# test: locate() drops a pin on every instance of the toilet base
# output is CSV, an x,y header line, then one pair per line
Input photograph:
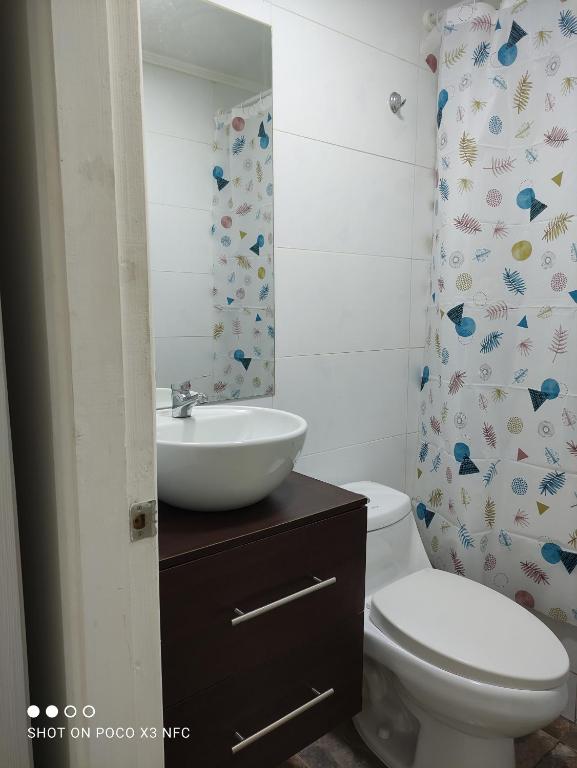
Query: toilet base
x,y
402,734
439,746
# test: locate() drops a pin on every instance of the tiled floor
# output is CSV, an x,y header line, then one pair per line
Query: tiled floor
x,y
554,747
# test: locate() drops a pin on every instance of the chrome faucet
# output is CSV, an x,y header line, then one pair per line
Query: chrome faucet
x,y
184,399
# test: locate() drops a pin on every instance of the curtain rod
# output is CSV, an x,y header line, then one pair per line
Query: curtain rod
x,y
254,99
431,18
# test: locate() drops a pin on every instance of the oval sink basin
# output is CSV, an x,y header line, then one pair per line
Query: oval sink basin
x,y
225,457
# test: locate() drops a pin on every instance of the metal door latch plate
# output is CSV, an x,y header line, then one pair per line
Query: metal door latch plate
x,y
143,520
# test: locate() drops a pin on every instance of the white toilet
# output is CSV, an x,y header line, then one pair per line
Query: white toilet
x,y
453,671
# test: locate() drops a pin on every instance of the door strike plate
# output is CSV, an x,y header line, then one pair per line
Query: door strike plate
x,y
143,520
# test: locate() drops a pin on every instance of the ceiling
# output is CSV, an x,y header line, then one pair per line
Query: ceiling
x,y
200,34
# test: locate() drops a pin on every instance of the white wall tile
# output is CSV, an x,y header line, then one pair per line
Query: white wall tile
x,y
178,171
420,296
382,461
424,202
426,119
345,398
332,199
390,25
345,101
177,104
181,358
181,303
334,302
179,239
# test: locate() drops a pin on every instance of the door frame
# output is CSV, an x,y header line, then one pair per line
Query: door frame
x,y
81,376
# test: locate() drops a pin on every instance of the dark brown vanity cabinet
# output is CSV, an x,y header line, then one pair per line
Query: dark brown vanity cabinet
x,y
262,624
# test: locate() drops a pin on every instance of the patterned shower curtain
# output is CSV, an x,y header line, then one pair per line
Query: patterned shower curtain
x,y
242,234
496,487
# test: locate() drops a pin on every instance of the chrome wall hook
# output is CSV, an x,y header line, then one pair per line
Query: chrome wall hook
x,y
396,102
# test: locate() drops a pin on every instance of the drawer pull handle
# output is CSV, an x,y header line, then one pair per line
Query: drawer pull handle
x,y
243,743
240,616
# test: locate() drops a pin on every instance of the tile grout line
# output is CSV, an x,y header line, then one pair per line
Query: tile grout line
x,y
176,136
178,205
349,37
352,149
345,253
354,445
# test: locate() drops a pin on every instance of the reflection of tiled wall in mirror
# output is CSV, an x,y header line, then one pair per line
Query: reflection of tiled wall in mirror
x,y
179,113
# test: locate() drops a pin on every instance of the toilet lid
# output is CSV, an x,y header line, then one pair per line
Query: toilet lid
x,y
470,630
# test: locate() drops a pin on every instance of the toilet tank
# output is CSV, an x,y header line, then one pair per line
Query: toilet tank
x,y
394,547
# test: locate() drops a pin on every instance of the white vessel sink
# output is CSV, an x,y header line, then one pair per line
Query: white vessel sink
x,y
225,457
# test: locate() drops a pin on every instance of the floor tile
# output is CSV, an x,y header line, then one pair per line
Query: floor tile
x,y
565,731
530,749
553,747
561,756
348,755
317,756
294,762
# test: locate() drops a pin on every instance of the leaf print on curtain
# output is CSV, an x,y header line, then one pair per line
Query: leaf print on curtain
x,y
496,488
242,235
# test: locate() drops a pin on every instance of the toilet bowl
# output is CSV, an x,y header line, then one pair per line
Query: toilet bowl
x,y
453,671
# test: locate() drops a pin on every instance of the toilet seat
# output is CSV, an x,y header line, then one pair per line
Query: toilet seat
x,y
469,630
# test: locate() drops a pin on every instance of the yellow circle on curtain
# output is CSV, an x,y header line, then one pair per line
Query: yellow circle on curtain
x,y
464,281
515,425
558,614
522,250
261,272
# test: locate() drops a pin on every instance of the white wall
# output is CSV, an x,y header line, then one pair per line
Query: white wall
x,y
178,134
353,221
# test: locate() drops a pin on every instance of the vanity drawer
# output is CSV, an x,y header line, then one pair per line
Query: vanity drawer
x,y
277,709
226,613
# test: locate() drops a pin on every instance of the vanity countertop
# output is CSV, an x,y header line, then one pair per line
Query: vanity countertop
x,y
185,536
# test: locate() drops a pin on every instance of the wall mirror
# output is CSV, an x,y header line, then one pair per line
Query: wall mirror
x,y
207,111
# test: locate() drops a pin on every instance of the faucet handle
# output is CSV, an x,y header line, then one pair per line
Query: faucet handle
x,y
181,389
184,398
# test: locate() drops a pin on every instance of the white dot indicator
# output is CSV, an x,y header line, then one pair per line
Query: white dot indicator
x,y
51,710
88,711
33,710
70,710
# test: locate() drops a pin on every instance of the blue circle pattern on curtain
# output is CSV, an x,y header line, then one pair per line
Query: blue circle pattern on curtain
x,y
496,472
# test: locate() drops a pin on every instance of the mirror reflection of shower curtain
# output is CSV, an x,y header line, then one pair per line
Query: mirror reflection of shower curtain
x,y
496,488
242,236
